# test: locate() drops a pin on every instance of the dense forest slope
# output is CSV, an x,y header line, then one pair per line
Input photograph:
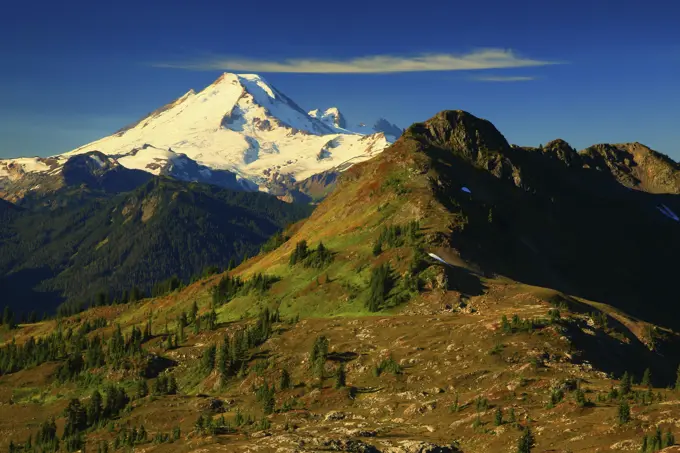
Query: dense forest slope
x,y
87,243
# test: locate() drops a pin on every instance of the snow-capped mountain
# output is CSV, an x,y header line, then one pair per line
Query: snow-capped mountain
x,y
238,128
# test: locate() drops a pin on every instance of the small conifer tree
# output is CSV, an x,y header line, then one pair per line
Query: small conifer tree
x,y
526,441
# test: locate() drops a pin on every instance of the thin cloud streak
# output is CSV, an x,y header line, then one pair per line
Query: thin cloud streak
x,y
375,64
504,78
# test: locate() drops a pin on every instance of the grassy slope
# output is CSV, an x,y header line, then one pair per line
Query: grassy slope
x,y
440,350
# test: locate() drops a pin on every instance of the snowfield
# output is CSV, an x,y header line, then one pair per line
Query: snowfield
x,y
242,124
13,168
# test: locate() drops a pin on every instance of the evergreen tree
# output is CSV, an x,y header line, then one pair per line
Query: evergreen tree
x,y
647,378
212,319
208,359
142,388
340,377
498,417
181,324
95,409
200,423
160,387
299,254
285,381
224,359
47,439
625,385
580,398
115,400
148,328
658,438
526,441
172,385
269,402
669,440
319,350
624,412
193,314
76,418
379,287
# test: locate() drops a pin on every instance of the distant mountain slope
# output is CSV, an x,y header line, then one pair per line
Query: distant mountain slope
x,y
93,171
163,228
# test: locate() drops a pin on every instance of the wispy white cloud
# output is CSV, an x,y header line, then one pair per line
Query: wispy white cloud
x,y
374,64
504,78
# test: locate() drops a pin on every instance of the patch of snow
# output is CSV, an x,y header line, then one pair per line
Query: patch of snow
x,y
465,189
97,160
27,165
665,210
438,258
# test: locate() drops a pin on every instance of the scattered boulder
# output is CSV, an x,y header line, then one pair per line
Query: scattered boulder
x,y
415,446
416,408
335,415
351,445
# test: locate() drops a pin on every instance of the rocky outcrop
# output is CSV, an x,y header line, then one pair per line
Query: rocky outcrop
x,y
635,166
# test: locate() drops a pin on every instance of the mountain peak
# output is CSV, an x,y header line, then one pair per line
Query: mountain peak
x,y
460,130
330,116
561,150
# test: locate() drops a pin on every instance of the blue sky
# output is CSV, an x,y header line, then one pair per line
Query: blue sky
x,y
75,71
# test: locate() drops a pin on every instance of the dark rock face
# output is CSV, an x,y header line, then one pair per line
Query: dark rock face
x,y
560,150
462,132
97,171
472,139
601,224
635,166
